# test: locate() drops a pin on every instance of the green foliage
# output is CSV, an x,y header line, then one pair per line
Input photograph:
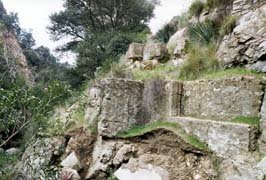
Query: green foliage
x,y
99,34
228,25
165,33
24,108
175,127
200,60
247,120
11,22
7,163
196,8
212,4
167,72
183,20
204,32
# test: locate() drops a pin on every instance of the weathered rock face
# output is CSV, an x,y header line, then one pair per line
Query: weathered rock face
x,y
223,99
177,43
225,139
37,158
156,51
246,46
121,105
146,56
241,7
135,51
262,140
13,59
126,103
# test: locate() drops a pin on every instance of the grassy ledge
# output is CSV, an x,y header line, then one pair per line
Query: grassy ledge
x,y
141,130
171,73
255,121
231,73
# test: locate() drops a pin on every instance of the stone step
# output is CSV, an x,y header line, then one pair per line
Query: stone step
x,y
224,138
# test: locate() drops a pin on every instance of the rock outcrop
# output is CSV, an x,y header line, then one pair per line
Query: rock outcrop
x,y
241,7
146,56
37,158
12,58
246,46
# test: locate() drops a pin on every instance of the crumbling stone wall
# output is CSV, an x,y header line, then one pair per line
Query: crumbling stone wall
x,y
241,7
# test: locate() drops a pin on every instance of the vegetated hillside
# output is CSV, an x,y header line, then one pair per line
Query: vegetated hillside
x,y
13,62
187,103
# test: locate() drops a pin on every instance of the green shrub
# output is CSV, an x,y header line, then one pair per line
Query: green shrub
x,y
183,20
212,4
204,32
196,8
200,60
24,109
228,25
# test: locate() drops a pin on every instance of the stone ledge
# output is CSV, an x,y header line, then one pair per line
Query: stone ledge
x,y
224,138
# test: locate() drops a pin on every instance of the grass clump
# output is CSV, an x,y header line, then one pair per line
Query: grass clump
x,y
203,33
212,4
227,73
196,8
200,60
175,127
228,25
247,120
165,71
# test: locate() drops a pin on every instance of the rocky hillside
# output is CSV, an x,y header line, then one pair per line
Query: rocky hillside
x,y
190,109
12,59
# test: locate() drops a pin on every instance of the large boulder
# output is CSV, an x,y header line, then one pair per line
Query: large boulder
x,y
246,46
156,51
72,162
135,51
177,43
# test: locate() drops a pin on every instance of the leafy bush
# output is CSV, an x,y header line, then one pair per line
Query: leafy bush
x,y
204,32
24,108
196,8
228,25
200,60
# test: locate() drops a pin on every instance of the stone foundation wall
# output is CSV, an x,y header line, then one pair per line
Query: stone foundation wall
x,y
223,99
121,104
241,7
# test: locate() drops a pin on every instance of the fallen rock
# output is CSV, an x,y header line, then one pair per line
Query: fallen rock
x,y
69,174
13,151
72,162
39,156
123,154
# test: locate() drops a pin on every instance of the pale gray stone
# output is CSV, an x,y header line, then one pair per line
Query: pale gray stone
x,y
223,99
71,161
